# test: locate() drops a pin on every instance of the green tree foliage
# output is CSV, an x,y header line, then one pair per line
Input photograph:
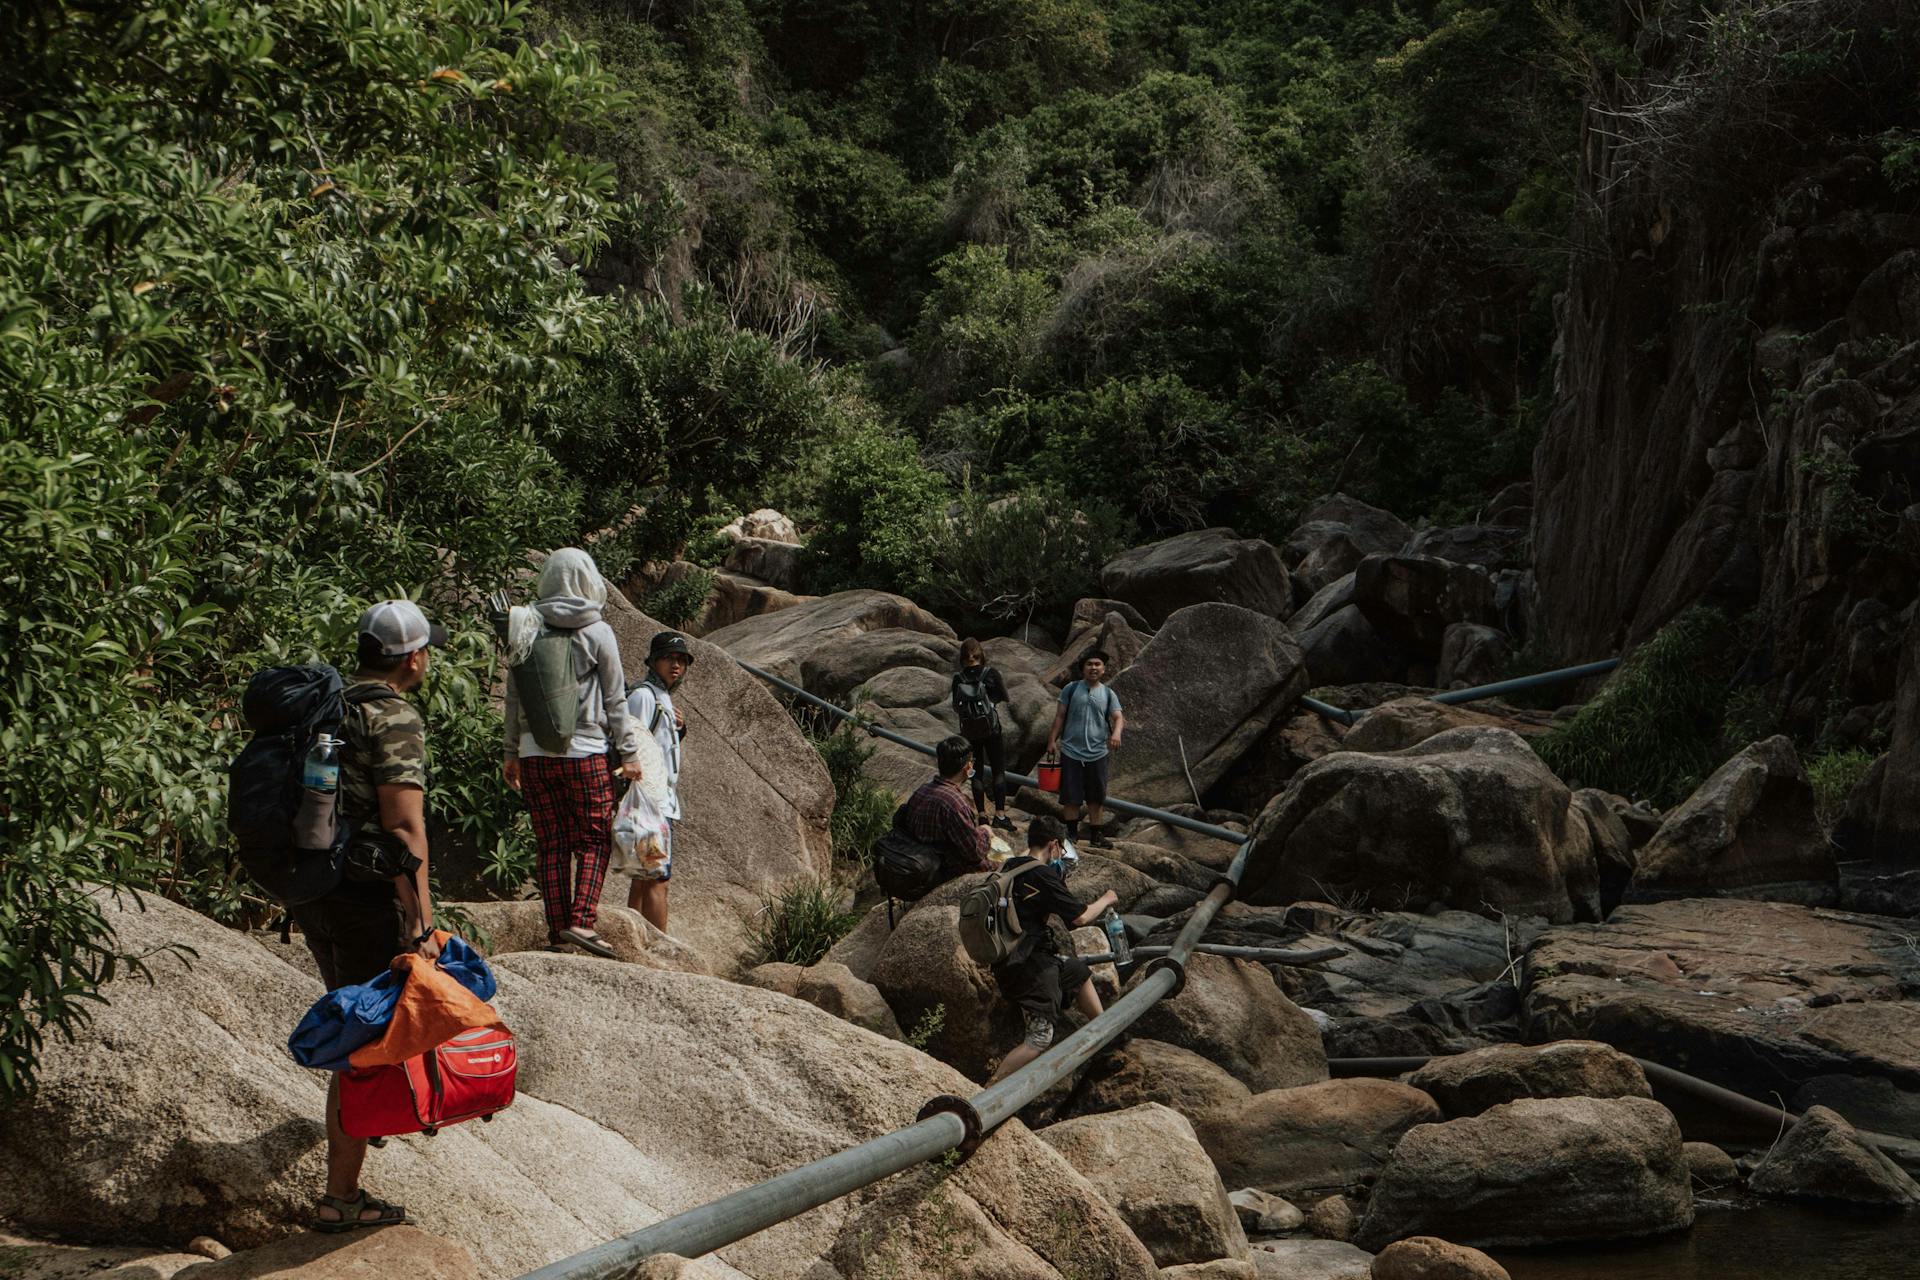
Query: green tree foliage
x,y
877,507
273,281
1026,557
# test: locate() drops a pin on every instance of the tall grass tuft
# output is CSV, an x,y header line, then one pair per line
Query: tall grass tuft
x,y
862,811
1834,775
799,924
1654,732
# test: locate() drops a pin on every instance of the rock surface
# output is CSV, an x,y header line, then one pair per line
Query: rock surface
x,y
832,987
1472,654
1710,1167
363,1255
757,798
1407,722
1537,1171
522,926
1427,1258
1749,831
780,643
1262,1213
1232,1014
1345,647
1145,1070
125,1146
1823,1158
1470,818
1193,568
1310,1260
1472,1082
1206,688
1765,998
1412,599
1317,1137
924,972
1147,1164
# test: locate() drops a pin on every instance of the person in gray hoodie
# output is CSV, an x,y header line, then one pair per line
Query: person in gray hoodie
x,y
567,734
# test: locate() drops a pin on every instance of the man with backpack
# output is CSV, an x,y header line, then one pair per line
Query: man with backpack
x,y
381,907
940,815
650,706
1004,924
1086,726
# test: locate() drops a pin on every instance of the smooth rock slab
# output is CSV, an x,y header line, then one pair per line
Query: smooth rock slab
x,y
356,1255
1469,1083
1538,1171
1232,1014
1310,1260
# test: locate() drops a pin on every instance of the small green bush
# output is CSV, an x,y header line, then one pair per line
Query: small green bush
x,y
875,511
862,811
799,924
680,602
1028,557
1655,731
1834,775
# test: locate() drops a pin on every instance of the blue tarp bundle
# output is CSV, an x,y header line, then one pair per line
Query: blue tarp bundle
x,y
341,1021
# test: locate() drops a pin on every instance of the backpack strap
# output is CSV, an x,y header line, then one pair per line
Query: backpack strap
x,y
1007,878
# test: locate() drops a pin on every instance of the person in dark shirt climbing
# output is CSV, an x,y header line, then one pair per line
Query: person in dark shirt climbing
x,y
977,687
1037,978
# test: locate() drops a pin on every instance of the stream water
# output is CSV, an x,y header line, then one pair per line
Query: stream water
x,y
1745,1240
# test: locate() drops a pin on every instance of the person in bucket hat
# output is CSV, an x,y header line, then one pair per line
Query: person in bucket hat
x,y
651,707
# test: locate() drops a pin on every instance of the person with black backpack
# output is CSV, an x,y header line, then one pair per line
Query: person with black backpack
x,y
976,688
1012,935
937,813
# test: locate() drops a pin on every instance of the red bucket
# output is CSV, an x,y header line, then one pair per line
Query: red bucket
x,y
1049,775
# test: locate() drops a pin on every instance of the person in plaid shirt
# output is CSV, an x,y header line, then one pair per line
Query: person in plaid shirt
x,y
940,813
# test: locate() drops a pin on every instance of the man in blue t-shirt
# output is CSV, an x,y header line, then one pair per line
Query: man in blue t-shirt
x,y
1086,726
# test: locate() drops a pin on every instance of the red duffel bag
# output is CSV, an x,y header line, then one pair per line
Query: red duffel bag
x,y
470,1075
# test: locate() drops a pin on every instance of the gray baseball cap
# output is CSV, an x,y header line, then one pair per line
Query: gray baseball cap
x,y
400,628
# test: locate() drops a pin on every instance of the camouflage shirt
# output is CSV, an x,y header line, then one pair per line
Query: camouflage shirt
x,y
386,746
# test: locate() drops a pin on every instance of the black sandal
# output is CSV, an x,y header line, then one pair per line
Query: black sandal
x,y
350,1211
588,940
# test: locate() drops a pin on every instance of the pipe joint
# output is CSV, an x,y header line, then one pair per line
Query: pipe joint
x,y
1179,969
951,1104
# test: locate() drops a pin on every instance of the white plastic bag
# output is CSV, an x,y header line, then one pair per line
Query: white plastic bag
x,y
639,835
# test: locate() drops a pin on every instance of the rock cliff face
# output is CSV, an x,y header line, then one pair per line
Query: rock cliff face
x,y
1737,420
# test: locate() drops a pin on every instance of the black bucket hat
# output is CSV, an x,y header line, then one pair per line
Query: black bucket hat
x,y
667,642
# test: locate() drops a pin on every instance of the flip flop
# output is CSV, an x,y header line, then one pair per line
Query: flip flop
x,y
588,940
350,1210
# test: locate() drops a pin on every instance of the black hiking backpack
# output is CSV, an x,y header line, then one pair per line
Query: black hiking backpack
x,y
287,708
903,867
972,703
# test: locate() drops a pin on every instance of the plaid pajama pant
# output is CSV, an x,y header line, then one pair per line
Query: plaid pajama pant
x,y
571,802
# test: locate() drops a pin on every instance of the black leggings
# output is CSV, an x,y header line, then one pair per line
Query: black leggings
x,y
990,750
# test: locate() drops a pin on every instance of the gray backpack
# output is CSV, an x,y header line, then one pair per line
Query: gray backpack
x,y
548,690
989,926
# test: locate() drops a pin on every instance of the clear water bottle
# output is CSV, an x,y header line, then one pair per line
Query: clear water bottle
x,y
1117,936
313,821
1069,859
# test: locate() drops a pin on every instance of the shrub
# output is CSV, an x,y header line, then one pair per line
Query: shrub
x,y
1654,732
862,811
681,601
1834,775
875,514
1026,557
799,924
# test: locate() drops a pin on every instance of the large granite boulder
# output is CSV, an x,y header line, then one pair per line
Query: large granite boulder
x,y
308,1255
1345,647
1322,604
1146,1163
1822,1158
1412,600
1470,818
1143,1070
757,799
1110,634
833,671
929,980
126,1146
1765,998
830,986
1471,655
1291,743
1305,1259
1313,1139
1092,611
1429,1258
776,563
1469,1083
1748,832
1192,568
1490,546
736,597
1335,534
1537,1171
1204,690
780,643
1406,722
1231,1013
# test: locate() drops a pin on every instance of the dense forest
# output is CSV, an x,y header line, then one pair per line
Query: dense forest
x,y
316,301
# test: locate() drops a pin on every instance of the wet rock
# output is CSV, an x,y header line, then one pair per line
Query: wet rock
x,y
1748,832
1763,998
1231,1013
1469,1083
1204,690
1310,1260
1412,600
1710,1167
832,987
1470,818
1153,1071
1823,1158
1147,1164
1263,1214
1193,568
1537,1171
1316,1137
1427,1258
1165,900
